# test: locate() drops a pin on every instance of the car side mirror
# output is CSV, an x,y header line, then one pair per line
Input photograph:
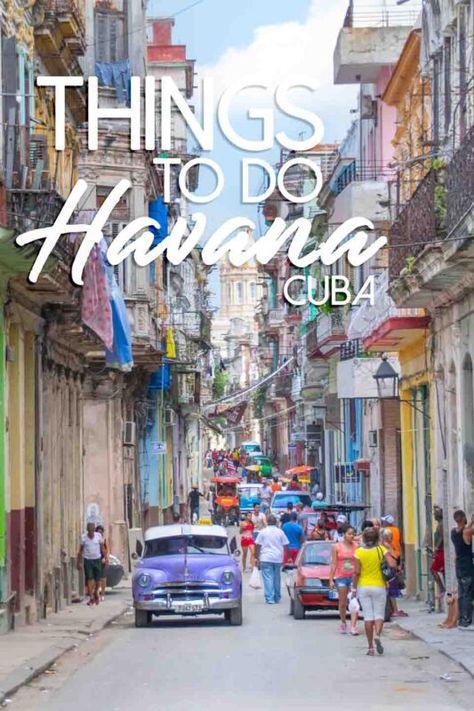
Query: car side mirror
x,y
134,556
236,553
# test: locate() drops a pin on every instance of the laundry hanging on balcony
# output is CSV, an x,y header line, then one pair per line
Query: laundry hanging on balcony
x,y
119,356
170,344
159,212
96,310
117,75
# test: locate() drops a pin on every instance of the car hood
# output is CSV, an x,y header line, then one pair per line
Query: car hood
x,y
177,568
315,571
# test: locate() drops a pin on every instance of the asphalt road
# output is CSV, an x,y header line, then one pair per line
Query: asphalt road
x,y
272,662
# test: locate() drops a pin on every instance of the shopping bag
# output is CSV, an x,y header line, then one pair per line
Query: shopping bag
x,y
354,605
255,579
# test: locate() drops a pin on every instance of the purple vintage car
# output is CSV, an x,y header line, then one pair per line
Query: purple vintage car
x,y
187,570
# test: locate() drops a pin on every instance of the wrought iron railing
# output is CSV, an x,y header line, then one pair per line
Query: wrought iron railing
x,y
459,182
351,349
418,225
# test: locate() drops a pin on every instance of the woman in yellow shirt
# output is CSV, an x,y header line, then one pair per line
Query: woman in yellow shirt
x,y
370,586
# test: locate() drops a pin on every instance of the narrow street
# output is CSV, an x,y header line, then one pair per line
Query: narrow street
x,y
271,662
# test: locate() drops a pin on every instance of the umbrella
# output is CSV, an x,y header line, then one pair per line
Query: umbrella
x,y
303,469
253,468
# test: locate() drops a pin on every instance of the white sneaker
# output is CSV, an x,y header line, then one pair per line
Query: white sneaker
x,y
469,628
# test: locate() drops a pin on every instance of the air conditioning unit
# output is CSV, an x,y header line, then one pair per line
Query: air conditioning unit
x,y
169,416
372,438
129,434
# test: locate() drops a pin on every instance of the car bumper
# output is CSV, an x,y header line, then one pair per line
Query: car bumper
x,y
172,607
309,597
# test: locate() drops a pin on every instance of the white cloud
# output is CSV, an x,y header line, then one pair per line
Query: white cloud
x,y
280,52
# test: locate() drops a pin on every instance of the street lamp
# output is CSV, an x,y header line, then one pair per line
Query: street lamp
x,y
387,380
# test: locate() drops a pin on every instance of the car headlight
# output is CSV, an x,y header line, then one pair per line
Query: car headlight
x,y
144,580
313,583
227,577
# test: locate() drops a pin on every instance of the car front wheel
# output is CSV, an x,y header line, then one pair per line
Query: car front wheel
x,y
298,609
142,618
234,616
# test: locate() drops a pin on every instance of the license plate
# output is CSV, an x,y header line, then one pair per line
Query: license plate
x,y
188,606
333,595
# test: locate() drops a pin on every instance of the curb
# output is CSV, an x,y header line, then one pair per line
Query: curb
x,y
437,649
35,666
32,668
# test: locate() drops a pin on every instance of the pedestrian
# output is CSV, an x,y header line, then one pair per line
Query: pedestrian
x,y
258,519
103,579
461,536
209,459
266,494
271,547
295,534
393,590
276,486
337,533
369,585
247,541
286,515
193,502
294,484
211,496
235,456
320,532
388,522
91,557
437,566
302,517
342,572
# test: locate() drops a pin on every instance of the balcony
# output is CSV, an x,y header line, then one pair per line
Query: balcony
x,y
361,189
60,39
274,320
355,377
370,40
315,379
331,332
384,326
283,385
431,247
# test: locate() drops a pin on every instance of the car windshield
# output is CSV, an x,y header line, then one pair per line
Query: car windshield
x,y
281,502
247,491
192,545
317,554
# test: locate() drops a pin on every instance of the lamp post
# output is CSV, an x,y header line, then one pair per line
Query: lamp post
x,y
387,380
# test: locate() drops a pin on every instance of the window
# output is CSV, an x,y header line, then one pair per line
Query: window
x,y
110,31
447,84
436,92
229,293
239,292
252,291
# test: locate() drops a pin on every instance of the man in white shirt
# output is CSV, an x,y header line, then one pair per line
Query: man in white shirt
x,y
91,555
271,546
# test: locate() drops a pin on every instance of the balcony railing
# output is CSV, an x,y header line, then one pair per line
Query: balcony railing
x,y
283,384
331,324
365,15
356,172
459,182
418,225
351,349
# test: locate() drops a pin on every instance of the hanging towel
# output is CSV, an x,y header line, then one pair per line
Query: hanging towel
x,y
170,344
116,74
96,312
119,355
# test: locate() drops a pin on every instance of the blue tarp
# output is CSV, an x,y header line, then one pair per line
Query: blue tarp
x,y
161,379
158,210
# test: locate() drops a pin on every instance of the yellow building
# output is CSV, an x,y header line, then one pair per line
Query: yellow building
x,y
409,93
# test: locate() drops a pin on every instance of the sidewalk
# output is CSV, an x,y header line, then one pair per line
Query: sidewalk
x,y
458,646
30,650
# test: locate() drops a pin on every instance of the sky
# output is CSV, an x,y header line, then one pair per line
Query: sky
x,y
265,41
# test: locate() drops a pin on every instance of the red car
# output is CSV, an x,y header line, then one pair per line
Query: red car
x,y
308,580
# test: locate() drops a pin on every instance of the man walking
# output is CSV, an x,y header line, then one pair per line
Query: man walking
x,y
193,502
295,534
91,556
271,546
461,537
